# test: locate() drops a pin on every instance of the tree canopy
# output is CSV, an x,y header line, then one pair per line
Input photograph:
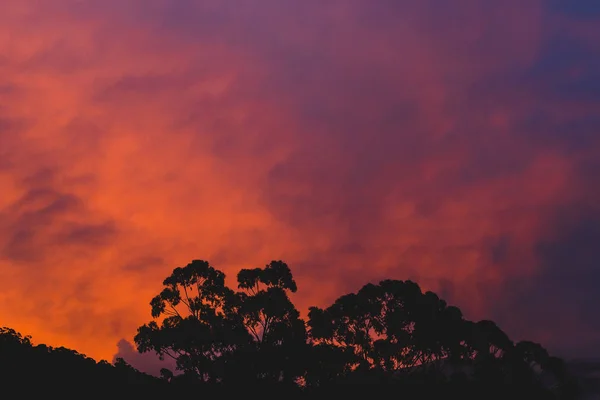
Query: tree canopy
x,y
388,333
31,367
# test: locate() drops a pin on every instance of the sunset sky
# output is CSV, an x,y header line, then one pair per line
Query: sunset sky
x,y
455,143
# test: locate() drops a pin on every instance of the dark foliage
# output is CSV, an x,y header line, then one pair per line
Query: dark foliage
x,y
45,370
387,337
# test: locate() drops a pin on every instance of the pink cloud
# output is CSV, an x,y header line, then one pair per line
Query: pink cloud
x,y
356,141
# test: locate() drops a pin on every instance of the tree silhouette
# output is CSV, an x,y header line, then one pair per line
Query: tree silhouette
x,y
393,330
28,366
389,333
389,326
278,333
217,335
198,329
268,312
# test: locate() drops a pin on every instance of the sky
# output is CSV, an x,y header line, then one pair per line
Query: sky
x,y
453,143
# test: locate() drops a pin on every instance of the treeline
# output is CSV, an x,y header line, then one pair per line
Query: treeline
x,y
388,334
39,367
387,338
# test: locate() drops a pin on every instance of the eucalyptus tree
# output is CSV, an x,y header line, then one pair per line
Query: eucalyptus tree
x,y
194,322
272,320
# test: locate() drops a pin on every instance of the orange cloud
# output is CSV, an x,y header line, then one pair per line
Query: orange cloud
x,y
354,140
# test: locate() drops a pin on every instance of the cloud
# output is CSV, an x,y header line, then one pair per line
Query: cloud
x,y
148,363
558,304
356,140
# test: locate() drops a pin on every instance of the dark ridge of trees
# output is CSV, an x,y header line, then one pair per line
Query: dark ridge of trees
x,y
38,368
388,338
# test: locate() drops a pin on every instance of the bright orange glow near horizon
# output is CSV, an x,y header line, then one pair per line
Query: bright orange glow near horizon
x,y
456,145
